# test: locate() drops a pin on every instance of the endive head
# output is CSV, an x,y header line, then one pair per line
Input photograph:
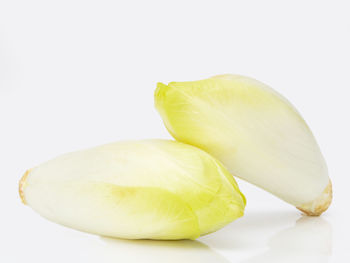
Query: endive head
x,y
153,189
254,131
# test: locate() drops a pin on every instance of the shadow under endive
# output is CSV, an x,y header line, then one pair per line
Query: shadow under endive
x,y
160,251
309,240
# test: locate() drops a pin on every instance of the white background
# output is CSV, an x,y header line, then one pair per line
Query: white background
x,y
74,74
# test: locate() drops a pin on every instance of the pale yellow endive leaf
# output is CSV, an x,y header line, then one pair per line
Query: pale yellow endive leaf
x,y
254,131
154,189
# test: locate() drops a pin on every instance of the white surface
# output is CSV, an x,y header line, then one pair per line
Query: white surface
x,y
75,74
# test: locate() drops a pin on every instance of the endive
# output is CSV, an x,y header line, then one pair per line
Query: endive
x,y
254,131
154,189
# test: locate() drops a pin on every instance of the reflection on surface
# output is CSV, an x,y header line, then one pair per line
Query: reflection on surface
x,y
250,232
118,250
259,234
308,241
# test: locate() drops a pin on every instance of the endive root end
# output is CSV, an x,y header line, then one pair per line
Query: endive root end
x,y
22,184
320,204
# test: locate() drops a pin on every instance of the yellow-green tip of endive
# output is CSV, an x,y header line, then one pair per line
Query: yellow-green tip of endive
x,y
150,189
254,131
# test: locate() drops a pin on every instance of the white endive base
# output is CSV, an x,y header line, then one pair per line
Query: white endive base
x,y
320,204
